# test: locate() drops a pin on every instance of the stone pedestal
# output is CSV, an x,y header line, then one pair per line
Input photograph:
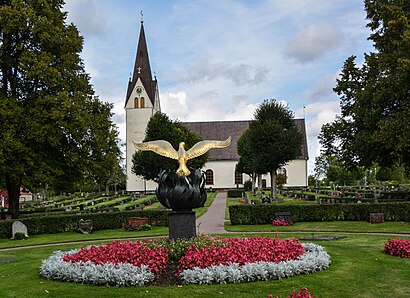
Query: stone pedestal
x,y
182,224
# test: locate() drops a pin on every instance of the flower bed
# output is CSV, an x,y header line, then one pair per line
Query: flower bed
x,y
280,222
228,260
398,247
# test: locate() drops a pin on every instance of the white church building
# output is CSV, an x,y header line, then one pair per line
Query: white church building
x,y
142,101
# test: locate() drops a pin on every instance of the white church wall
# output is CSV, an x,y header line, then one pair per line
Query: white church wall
x,y
296,171
224,173
137,120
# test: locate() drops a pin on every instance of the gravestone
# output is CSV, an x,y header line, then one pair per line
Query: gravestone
x,y
18,227
85,226
284,216
376,218
134,223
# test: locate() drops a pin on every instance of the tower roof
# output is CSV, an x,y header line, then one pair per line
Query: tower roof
x,y
142,69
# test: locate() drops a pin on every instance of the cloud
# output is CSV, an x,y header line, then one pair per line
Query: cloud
x,y
313,42
240,74
317,114
87,16
322,88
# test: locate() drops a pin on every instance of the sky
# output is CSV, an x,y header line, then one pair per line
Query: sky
x,y
220,59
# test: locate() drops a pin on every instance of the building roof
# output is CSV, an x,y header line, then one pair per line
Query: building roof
x,y
142,69
221,130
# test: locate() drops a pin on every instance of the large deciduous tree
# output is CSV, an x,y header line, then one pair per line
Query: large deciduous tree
x,y
272,140
148,164
374,125
54,130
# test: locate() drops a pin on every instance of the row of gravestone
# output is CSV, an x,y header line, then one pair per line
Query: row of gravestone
x,y
19,229
84,226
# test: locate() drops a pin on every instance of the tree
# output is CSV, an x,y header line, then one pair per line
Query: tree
x,y
273,139
246,163
333,170
374,126
54,131
148,164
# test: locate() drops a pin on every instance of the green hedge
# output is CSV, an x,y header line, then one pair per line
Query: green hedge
x,y
265,213
235,193
69,222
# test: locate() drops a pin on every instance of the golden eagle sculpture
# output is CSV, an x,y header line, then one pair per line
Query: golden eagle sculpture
x,y
164,148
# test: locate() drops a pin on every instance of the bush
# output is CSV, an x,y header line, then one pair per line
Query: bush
x,y
398,247
69,222
265,213
248,185
235,193
19,236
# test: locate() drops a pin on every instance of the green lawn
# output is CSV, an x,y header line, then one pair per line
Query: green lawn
x,y
359,269
334,226
72,236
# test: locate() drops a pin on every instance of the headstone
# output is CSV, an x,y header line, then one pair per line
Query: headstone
x,y
134,223
18,227
376,218
85,226
284,216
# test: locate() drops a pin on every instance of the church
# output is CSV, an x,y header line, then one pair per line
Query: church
x,y
142,101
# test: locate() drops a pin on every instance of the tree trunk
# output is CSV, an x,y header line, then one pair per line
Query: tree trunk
x,y
13,190
259,185
273,185
253,182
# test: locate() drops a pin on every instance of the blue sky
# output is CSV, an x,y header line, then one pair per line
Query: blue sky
x,y
219,59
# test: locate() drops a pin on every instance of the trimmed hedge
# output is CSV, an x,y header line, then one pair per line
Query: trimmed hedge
x,y
69,222
265,213
235,193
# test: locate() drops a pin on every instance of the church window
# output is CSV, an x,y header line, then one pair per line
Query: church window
x,y
142,102
136,102
209,177
238,178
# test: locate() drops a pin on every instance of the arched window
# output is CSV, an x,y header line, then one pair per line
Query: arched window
x,y
136,103
209,177
238,178
142,102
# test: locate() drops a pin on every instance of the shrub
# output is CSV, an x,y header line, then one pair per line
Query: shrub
x,y
398,247
19,236
235,193
241,251
69,222
265,213
303,293
280,222
247,186
145,227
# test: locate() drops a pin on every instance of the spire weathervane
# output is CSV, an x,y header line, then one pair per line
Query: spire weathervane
x,y
142,17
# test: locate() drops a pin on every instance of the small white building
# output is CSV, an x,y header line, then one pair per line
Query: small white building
x,y
142,101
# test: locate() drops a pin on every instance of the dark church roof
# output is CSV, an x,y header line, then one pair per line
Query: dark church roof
x,y
142,69
221,130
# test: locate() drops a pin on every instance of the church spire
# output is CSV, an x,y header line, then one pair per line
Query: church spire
x,y
142,68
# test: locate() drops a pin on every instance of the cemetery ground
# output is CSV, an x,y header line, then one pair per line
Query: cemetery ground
x,y
359,267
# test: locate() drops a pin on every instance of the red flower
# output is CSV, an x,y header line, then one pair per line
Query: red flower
x,y
398,247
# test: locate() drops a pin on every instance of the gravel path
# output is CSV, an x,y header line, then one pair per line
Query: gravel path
x,y
212,222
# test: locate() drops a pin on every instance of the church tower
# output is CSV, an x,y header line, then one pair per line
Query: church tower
x,y
142,101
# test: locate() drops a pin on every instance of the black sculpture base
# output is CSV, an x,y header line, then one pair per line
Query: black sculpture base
x,y
182,224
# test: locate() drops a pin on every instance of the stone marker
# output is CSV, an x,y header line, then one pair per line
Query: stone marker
x,y
376,218
134,223
18,227
85,226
